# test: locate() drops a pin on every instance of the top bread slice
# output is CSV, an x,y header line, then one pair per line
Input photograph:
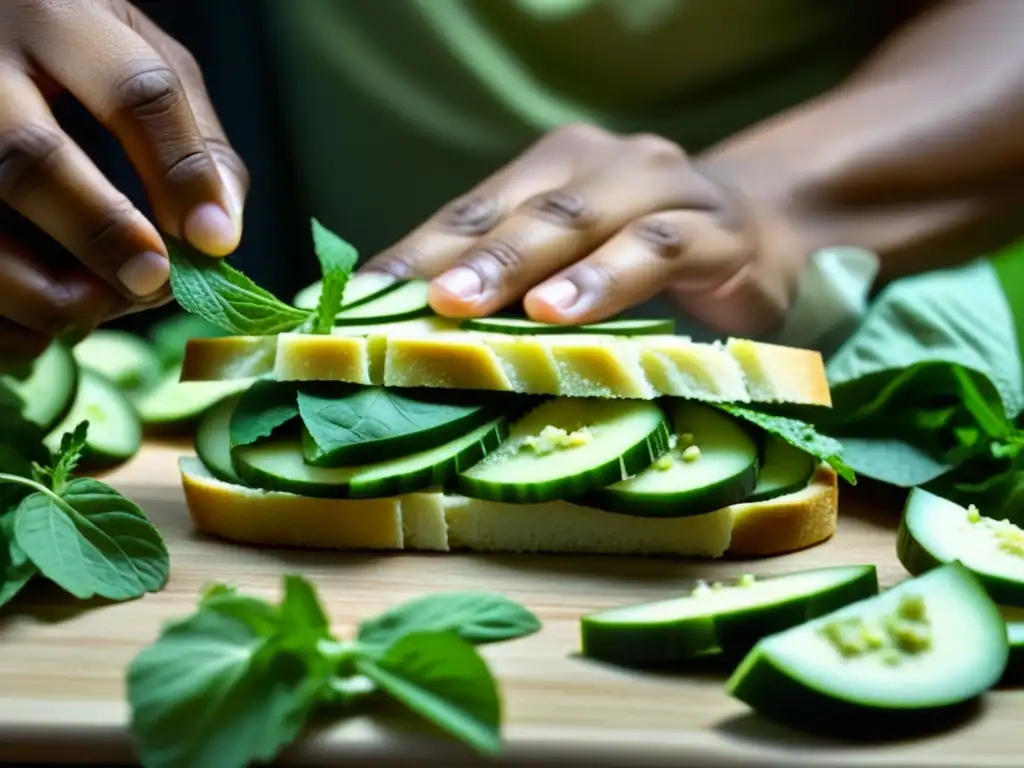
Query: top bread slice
x,y
436,352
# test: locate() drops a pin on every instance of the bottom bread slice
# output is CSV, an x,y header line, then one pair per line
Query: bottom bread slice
x,y
433,521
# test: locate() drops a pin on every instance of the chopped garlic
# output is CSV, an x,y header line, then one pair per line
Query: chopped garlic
x,y
691,454
663,462
552,438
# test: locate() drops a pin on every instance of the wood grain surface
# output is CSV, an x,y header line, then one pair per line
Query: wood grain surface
x,y
62,664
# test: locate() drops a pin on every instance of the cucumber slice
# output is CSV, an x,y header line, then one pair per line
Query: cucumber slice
x,y
784,469
49,391
1014,620
359,425
728,618
602,442
403,302
934,531
121,357
360,288
115,432
278,465
522,326
711,463
213,440
173,403
824,675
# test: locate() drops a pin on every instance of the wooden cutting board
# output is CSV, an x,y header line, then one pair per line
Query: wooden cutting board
x,y
61,663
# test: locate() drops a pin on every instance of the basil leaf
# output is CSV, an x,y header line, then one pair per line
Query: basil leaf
x,y
301,607
213,692
442,678
92,541
337,260
16,570
476,617
337,417
210,288
262,408
799,434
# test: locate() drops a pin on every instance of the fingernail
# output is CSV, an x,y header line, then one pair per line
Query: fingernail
x,y
144,274
558,293
209,228
462,282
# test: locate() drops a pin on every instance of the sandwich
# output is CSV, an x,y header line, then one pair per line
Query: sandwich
x,y
371,423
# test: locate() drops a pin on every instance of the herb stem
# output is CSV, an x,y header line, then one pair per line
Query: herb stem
x,y
39,488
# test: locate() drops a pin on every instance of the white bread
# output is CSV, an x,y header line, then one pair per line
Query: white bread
x,y
434,352
432,521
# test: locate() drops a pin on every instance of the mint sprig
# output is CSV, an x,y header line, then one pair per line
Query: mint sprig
x,y
222,295
79,533
238,680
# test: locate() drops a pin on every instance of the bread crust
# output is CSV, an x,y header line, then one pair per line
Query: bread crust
x,y
760,529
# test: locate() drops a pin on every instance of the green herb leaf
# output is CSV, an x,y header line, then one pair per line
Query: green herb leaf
x,y
337,260
262,408
92,541
213,290
476,617
16,570
301,607
442,678
215,692
68,455
799,434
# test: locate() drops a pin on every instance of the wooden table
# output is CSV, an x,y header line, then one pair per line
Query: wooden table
x,y
61,663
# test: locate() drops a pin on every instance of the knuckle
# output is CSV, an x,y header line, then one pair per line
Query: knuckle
x,y
188,166
151,90
475,215
656,148
102,240
498,258
26,152
564,207
660,236
57,308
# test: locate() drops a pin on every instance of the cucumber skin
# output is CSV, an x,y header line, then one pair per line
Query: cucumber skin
x,y
635,459
655,646
685,504
657,328
437,475
413,314
916,559
65,408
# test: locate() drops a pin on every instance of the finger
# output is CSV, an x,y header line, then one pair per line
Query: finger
x,y
130,88
438,243
50,181
19,344
49,304
558,228
638,263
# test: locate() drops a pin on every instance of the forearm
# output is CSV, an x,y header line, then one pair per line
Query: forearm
x,y
918,157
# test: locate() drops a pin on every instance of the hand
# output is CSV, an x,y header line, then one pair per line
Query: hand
x,y
586,224
148,91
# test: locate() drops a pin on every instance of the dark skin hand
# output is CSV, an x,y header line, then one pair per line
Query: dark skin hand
x,y
147,90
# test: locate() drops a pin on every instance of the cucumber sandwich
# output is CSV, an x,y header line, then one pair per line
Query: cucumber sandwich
x,y
365,421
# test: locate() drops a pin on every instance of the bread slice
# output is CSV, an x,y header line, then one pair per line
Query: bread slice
x,y
433,521
435,352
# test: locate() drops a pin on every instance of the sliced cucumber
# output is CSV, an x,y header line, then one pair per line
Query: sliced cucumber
x,y
1014,619
359,425
728,618
49,391
174,403
403,302
172,334
935,531
360,287
115,432
278,465
121,357
784,469
711,463
914,651
522,326
569,446
213,440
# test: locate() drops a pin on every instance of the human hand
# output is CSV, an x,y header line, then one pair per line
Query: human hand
x,y
148,91
585,224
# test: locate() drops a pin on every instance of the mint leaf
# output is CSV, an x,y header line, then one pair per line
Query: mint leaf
x,y
442,678
301,607
91,541
215,691
16,570
262,408
213,290
476,617
337,260
68,455
799,434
